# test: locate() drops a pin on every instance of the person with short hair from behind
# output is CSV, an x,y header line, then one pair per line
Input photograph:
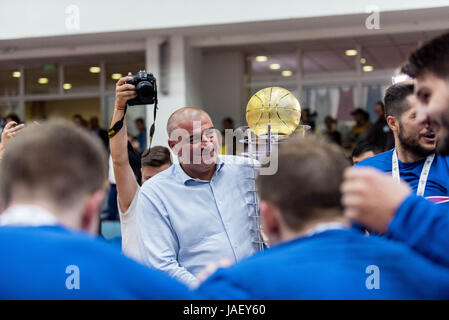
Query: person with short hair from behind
x,y
363,150
315,254
401,214
52,188
153,161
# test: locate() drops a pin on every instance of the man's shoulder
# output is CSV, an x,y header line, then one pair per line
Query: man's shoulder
x,y
380,161
51,250
443,159
57,244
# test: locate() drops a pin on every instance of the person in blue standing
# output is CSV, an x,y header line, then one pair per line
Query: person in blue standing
x,y
314,252
51,189
373,200
413,158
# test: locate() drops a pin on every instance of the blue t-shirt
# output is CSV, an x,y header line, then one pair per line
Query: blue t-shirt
x,y
334,264
51,262
437,182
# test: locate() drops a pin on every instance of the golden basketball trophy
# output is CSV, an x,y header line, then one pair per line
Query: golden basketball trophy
x,y
272,114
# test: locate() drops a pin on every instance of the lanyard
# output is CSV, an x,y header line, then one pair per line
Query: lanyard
x,y
424,172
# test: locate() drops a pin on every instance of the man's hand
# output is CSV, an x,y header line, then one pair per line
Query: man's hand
x,y
124,91
10,130
371,198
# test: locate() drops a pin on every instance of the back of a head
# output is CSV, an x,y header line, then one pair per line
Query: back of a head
x,y
363,147
395,99
56,163
156,156
433,56
307,183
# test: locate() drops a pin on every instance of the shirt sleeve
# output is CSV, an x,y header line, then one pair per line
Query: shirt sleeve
x,y
158,243
423,226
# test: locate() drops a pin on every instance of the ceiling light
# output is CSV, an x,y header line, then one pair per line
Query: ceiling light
x,y
286,73
367,68
351,52
362,60
275,66
116,76
16,74
94,69
42,80
67,86
261,58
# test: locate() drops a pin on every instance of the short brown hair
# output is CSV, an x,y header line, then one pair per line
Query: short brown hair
x,y
55,162
433,56
396,99
156,157
307,182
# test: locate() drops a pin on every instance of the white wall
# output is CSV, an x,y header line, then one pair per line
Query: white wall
x,y
223,86
176,97
30,18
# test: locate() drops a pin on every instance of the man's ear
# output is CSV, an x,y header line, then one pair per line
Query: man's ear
x,y
393,123
171,144
91,213
270,221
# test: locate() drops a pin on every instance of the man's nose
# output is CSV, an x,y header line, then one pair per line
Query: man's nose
x,y
421,116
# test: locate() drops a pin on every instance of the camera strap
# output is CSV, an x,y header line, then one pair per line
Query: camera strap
x,y
118,125
154,118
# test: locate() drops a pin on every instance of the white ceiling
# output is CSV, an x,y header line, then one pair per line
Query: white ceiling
x,y
328,55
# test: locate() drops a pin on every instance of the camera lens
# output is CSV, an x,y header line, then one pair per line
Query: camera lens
x,y
145,89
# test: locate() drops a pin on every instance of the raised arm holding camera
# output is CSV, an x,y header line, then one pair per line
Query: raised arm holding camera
x,y
153,161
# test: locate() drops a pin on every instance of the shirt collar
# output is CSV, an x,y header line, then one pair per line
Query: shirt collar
x,y
185,177
27,215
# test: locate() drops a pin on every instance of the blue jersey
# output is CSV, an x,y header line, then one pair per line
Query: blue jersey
x,y
334,264
51,262
437,182
423,226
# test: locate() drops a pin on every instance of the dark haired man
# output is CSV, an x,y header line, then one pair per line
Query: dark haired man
x,y
52,188
413,158
402,215
316,254
153,161
363,150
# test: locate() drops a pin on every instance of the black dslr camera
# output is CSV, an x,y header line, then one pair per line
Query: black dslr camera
x,y
145,88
